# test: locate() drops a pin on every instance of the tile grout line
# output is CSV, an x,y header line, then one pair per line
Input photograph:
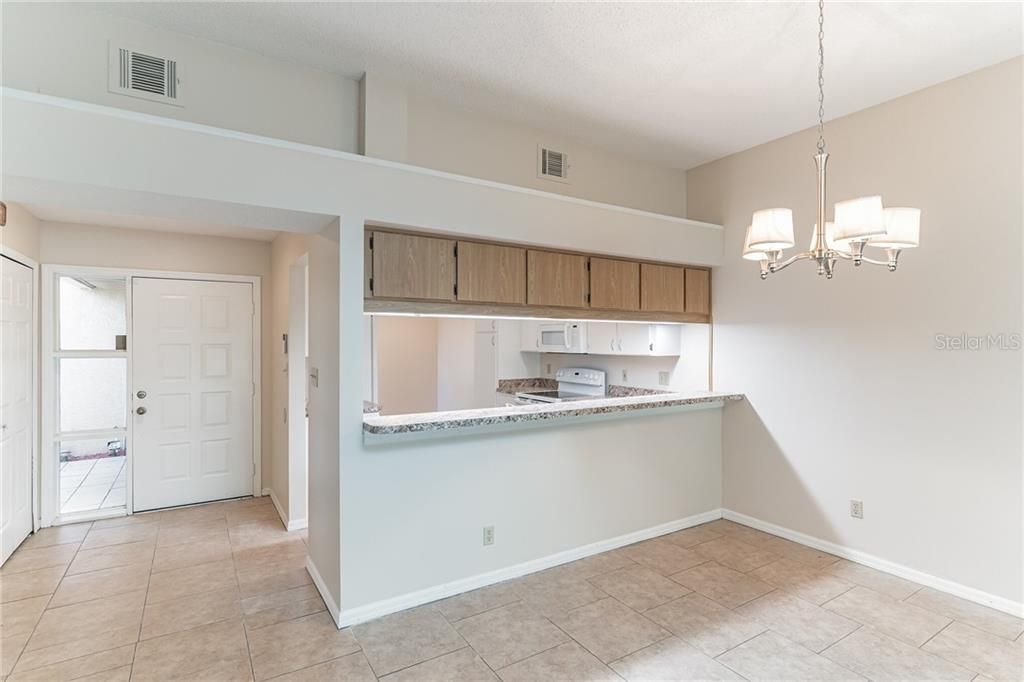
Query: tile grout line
x,y
50,598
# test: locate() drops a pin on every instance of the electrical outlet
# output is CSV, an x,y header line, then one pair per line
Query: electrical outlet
x,y
488,535
625,375
663,378
857,509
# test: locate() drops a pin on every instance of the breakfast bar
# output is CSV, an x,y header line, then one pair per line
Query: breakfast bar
x,y
379,429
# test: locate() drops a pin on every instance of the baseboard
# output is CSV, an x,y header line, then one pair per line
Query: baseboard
x,y
406,601
884,565
296,524
321,587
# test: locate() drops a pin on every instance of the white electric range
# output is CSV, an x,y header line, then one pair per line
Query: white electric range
x,y
574,383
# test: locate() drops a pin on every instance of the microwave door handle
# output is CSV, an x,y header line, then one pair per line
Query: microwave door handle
x,y
567,336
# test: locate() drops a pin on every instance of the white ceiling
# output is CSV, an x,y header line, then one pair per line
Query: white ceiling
x,y
680,83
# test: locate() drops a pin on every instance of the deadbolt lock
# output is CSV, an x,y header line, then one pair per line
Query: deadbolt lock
x,y
140,395
140,410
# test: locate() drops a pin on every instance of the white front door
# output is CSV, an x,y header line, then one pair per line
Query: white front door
x,y
16,341
192,391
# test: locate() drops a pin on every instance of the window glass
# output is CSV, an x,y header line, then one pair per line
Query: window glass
x,y
93,393
92,313
92,474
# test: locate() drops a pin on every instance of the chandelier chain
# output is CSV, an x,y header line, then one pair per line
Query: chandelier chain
x,y
821,76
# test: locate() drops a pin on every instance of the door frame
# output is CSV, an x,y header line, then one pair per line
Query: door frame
x,y
50,481
32,265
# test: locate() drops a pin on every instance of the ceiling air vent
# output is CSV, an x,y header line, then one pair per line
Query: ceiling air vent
x,y
552,165
143,74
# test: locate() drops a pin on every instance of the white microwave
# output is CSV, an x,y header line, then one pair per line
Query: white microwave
x,y
562,337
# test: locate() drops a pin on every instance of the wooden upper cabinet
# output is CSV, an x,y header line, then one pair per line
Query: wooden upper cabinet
x,y
614,284
413,267
556,279
489,273
698,291
661,288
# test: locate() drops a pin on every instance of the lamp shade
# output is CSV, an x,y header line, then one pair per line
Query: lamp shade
x,y
902,229
771,229
859,219
748,252
830,239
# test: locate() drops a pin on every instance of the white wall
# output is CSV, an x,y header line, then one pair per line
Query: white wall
x,y
404,124
544,490
847,394
62,49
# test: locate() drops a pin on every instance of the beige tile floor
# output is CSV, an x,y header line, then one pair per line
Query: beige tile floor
x,y
219,592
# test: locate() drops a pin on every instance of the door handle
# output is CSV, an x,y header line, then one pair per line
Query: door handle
x,y
140,410
140,395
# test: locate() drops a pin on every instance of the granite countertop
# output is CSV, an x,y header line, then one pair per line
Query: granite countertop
x,y
444,421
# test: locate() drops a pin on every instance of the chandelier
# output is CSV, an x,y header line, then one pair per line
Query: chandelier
x,y
857,222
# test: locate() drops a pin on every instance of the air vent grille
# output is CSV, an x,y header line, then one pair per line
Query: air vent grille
x,y
552,165
141,74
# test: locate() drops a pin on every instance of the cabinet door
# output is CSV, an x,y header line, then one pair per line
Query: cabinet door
x,y
556,279
634,339
602,338
410,266
489,273
661,288
529,335
614,284
698,291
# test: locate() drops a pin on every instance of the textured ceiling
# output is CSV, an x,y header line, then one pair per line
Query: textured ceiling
x,y
678,83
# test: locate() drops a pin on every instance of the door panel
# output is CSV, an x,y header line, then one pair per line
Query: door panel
x,y
661,288
698,291
408,266
614,284
193,358
489,273
16,341
556,279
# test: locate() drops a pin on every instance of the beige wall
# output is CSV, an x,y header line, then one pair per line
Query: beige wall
x,y
407,126
406,350
99,246
21,232
220,85
848,396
